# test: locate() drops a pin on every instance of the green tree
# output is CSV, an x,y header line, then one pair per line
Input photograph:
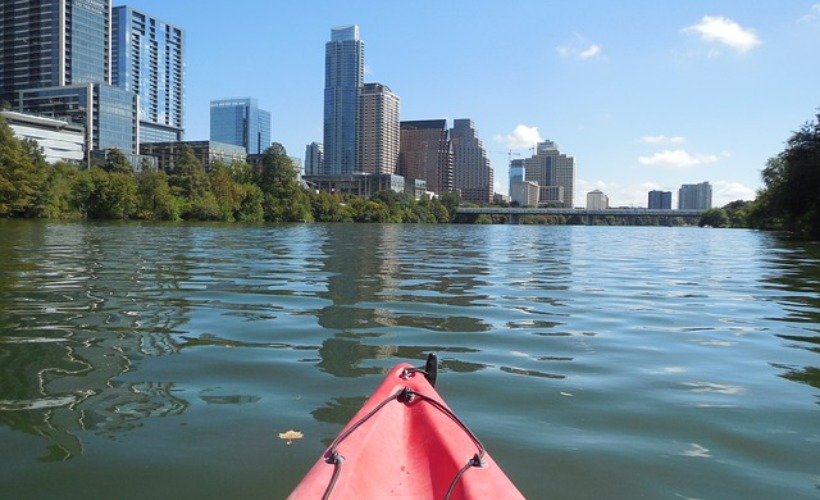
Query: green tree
x,y
22,174
107,195
155,200
284,200
116,161
451,200
714,217
791,195
55,199
188,178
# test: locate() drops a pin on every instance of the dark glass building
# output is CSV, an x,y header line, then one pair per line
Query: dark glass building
x,y
344,78
660,200
108,113
427,154
48,43
240,122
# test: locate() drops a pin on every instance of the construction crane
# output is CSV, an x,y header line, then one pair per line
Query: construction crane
x,y
509,154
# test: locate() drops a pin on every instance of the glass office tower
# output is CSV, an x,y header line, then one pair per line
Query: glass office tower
x,y
344,78
48,43
147,58
240,122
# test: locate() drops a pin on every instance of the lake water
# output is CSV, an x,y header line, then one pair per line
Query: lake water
x,y
161,361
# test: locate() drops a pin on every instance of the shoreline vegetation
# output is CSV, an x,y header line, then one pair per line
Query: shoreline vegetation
x,y
789,202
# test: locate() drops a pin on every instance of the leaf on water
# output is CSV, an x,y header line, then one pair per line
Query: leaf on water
x,y
567,394
290,435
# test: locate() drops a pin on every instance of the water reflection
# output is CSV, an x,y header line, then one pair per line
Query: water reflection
x,y
105,326
71,326
799,278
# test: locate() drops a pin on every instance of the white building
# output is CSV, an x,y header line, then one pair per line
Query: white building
x,y
596,200
526,194
58,139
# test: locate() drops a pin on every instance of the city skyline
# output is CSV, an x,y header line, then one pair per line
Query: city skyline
x,y
671,94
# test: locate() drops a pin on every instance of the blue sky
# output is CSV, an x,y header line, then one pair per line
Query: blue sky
x,y
643,94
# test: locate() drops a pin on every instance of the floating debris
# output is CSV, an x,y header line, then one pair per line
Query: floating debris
x,y
290,435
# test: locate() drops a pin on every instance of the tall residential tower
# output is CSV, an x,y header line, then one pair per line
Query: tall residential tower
x,y
148,60
427,154
50,43
472,174
55,61
379,130
344,78
695,196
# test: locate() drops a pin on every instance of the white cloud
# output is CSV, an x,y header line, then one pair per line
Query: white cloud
x,y
725,192
592,51
662,139
521,138
726,32
812,16
579,48
677,158
631,195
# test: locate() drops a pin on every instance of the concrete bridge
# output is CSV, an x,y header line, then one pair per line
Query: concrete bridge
x,y
630,214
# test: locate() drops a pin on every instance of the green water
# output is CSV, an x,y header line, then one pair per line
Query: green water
x,y
161,361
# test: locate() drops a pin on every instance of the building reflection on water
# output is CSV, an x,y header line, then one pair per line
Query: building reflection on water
x,y
70,327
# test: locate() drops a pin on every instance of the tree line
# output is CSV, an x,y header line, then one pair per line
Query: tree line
x,y
236,192
789,201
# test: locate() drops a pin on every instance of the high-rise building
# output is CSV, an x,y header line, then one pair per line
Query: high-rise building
x,y
55,61
597,200
379,130
50,43
427,154
147,59
660,200
472,174
344,78
240,122
555,174
108,113
695,196
314,158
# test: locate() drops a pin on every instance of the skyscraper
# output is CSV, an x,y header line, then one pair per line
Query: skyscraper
x,y
240,122
55,61
555,174
661,200
148,60
427,154
695,196
50,43
344,77
379,130
472,174
314,158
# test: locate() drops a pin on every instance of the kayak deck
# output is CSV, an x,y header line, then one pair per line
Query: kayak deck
x,y
405,442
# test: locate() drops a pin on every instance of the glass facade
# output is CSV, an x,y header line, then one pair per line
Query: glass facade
x,y
38,49
148,60
695,196
344,77
242,123
108,113
661,200
87,41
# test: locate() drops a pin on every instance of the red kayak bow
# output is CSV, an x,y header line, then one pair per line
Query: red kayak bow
x,y
406,442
